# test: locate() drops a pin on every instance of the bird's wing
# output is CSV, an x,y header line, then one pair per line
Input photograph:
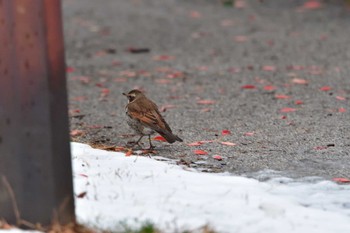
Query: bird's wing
x,y
149,116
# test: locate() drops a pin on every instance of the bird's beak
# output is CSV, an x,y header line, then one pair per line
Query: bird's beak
x,y
125,94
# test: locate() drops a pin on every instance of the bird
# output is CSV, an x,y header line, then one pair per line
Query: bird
x,y
145,119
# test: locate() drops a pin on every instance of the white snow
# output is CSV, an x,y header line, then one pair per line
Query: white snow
x,y
17,231
123,188
136,189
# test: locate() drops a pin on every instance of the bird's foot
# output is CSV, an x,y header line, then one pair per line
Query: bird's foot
x,y
151,147
132,144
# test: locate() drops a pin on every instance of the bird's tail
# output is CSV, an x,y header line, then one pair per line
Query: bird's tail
x,y
169,136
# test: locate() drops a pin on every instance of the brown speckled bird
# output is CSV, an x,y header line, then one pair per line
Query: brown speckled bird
x,y
144,118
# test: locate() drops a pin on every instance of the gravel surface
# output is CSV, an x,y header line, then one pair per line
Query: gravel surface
x,y
213,67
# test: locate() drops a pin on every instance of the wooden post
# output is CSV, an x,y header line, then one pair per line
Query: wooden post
x,y
35,163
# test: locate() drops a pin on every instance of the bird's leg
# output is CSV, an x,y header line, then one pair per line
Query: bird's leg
x,y
137,142
150,143
132,144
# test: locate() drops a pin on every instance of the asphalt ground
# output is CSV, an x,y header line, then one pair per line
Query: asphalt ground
x,y
272,76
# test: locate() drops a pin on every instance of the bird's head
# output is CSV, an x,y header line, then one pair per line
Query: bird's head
x,y
133,94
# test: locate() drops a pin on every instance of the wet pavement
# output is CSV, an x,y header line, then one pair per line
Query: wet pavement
x,y
262,84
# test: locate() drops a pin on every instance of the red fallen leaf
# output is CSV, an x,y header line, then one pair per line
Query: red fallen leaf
x,y
82,79
195,143
341,180
299,81
163,69
248,86
144,73
128,153
270,88
81,195
240,4
163,81
325,88
340,98
74,111
228,143
177,74
341,110
128,73
200,152
120,80
298,102
105,91
83,175
159,138
206,141
163,58
206,101
69,69
217,157
94,126
99,85
269,68
281,96
241,38
79,98
225,132
205,109
195,14
311,5
283,117
249,134
288,110
320,147
76,132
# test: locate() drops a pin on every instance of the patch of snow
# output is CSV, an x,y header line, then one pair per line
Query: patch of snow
x,y
17,231
116,189
125,189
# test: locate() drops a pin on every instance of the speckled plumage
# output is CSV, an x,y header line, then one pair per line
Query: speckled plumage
x,y
145,119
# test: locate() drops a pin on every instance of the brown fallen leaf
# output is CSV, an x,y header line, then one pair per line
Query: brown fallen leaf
x,y
299,81
206,102
77,132
128,153
195,143
228,143
281,96
81,195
